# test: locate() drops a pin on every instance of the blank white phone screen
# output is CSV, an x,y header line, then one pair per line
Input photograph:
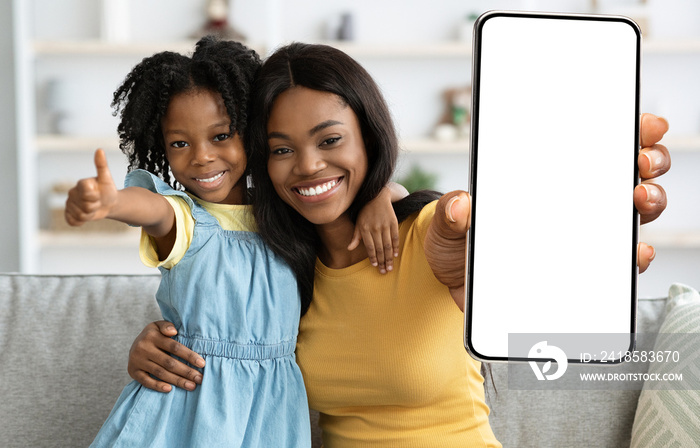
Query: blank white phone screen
x,y
552,247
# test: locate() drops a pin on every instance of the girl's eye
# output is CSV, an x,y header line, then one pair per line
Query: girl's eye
x,y
330,141
222,137
179,144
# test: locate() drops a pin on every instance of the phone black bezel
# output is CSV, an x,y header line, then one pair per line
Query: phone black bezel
x,y
476,67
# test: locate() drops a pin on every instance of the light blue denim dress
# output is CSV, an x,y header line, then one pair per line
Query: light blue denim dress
x,y
236,303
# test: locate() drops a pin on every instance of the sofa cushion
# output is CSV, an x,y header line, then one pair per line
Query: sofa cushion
x,y
64,342
567,418
667,413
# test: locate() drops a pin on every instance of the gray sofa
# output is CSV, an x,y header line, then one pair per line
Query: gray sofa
x,y
64,343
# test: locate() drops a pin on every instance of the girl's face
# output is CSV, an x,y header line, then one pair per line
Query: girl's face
x,y
318,160
203,154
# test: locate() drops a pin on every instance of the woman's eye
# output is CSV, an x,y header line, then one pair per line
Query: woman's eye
x,y
222,137
330,141
280,151
179,144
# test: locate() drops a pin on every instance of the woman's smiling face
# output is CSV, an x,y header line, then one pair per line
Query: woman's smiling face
x,y
318,160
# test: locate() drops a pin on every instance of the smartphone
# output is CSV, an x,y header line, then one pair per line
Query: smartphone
x,y
552,248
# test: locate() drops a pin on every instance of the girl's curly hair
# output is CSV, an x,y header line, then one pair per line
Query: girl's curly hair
x,y
225,67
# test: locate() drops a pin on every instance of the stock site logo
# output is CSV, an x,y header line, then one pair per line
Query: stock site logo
x,y
542,350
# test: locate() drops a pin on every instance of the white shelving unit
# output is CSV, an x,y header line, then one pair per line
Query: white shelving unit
x,y
101,48
671,46
57,240
36,240
69,143
430,50
683,239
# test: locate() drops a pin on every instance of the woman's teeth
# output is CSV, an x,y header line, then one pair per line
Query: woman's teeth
x,y
211,179
315,191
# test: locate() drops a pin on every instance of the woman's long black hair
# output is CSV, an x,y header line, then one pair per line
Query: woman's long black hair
x,y
225,67
326,69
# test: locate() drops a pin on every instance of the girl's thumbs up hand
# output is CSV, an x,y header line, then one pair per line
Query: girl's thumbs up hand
x,y
93,198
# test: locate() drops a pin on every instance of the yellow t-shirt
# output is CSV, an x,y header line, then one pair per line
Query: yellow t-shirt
x,y
383,359
230,217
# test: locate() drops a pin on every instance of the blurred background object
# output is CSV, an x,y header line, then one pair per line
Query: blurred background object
x,y
217,24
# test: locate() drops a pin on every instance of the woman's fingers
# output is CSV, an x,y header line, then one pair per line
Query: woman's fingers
x,y
151,355
650,201
645,255
653,161
149,382
652,129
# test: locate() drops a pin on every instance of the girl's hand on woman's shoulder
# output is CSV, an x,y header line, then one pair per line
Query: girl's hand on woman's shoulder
x,y
378,228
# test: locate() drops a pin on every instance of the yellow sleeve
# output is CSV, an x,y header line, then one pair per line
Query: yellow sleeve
x,y
423,220
184,228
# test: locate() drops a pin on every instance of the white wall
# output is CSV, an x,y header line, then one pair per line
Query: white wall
x,y
9,236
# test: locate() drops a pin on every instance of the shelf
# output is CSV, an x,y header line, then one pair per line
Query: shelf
x,y
97,47
671,46
447,49
457,49
69,143
429,50
433,146
681,143
73,240
671,239
101,48
684,143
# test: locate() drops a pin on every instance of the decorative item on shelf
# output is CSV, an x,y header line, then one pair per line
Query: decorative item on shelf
x,y
57,221
445,132
347,27
217,22
62,96
465,28
418,179
454,123
114,26
341,28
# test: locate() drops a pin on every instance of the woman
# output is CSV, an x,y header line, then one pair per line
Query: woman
x,y
382,356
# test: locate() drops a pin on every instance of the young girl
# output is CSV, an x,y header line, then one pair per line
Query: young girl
x,y
231,299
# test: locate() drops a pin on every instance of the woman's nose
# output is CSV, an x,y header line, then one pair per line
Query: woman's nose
x,y
309,162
